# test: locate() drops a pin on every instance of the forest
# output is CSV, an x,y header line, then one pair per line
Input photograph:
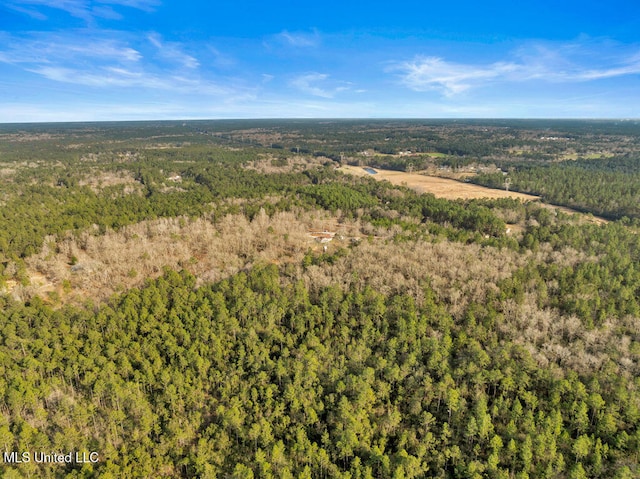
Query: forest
x,y
606,187
166,301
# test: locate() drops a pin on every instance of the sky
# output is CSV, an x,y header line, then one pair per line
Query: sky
x,y
103,60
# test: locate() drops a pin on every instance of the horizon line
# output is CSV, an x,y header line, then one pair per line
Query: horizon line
x,y
311,119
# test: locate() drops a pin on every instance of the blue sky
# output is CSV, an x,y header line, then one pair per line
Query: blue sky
x,y
90,60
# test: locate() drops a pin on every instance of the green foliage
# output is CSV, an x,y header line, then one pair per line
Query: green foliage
x,y
257,376
335,196
261,376
604,285
210,176
609,187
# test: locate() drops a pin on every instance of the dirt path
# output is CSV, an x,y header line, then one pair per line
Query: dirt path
x,y
452,189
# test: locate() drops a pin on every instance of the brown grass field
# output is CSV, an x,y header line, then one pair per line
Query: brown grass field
x,y
452,189
439,187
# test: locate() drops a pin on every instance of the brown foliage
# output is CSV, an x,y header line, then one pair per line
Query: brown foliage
x,y
98,265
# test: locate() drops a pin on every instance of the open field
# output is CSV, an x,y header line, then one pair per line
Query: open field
x,y
440,187
452,189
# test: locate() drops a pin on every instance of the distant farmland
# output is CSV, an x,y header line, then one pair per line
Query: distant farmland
x,y
452,189
439,187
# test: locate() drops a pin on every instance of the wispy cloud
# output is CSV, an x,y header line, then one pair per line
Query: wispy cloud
x,y
34,8
105,62
63,48
560,64
433,73
173,52
316,84
582,60
299,39
292,41
84,9
101,77
31,12
145,5
110,77
220,59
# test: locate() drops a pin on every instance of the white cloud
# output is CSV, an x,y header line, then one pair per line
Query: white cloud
x,y
60,48
305,83
311,84
76,8
432,73
173,52
220,59
566,63
299,39
104,49
109,77
295,40
145,5
84,9
107,60
32,12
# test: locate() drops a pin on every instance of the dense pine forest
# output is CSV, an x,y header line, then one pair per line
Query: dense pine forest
x,y
170,301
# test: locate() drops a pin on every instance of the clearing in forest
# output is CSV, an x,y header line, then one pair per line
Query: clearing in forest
x,y
453,189
439,187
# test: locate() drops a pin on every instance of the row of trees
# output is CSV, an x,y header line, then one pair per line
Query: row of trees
x,y
609,187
